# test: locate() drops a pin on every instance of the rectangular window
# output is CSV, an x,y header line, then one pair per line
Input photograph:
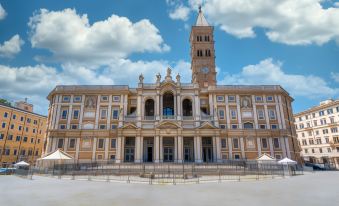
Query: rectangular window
x,y
101,144
318,141
258,98
113,143
14,116
315,122
72,143
222,126
115,114
5,115
264,143
32,140
223,143
103,113
114,126
28,120
321,113
2,136
231,98
74,126
75,114
77,99
234,126
269,98
271,114
102,126
18,138
3,125
20,128
334,130
66,98
236,156
261,115
235,143
104,98
25,139
311,141
10,137
313,115
60,143
220,98
274,126
112,157
276,143
12,126
64,114
221,114
7,151
116,98
233,114
62,126
262,126
35,122
329,111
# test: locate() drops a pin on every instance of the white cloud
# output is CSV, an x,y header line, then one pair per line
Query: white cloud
x,y
290,22
37,81
11,47
71,38
335,76
2,12
268,72
180,12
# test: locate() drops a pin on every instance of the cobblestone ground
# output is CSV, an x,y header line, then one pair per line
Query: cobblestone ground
x,y
319,188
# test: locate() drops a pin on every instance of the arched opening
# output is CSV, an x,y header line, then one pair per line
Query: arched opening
x,y
248,125
168,104
187,108
149,108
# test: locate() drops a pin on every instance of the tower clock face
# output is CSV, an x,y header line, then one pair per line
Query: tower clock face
x,y
205,70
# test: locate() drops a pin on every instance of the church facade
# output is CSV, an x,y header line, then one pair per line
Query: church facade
x,y
172,121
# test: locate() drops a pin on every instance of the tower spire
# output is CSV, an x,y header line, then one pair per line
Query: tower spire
x,y
201,20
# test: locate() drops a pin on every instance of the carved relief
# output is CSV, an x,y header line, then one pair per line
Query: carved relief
x,y
91,102
246,102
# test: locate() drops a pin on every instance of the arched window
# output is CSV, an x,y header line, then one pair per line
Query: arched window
x,y
248,125
149,108
187,108
168,104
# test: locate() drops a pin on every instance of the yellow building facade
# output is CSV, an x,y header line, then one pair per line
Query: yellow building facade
x,y
22,134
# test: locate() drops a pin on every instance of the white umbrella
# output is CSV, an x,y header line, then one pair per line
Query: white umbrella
x,y
57,155
287,161
265,157
22,163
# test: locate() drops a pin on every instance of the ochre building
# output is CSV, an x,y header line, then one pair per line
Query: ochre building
x,y
22,133
172,121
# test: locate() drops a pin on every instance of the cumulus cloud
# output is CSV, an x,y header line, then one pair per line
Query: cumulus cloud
x,y
2,12
335,76
11,47
268,72
37,81
71,38
290,22
180,13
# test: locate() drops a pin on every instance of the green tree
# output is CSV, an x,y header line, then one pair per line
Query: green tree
x,y
5,102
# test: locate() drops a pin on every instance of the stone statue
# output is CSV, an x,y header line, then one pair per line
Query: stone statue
x,y
158,77
194,79
90,102
141,78
246,102
178,78
169,71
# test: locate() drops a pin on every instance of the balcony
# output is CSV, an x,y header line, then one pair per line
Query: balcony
x,y
149,118
130,118
186,118
171,117
206,118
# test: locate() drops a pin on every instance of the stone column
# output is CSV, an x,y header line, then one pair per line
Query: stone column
x,y
239,112
77,149
81,111
97,113
288,152
179,107
214,146
270,141
157,149
180,149
197,149
106,148
109,112
218,146
118,155
282,145
139,109
268,126
230,147
282,113
197,110
65,144
58,113
255,116
175,149
277,110
242,147
137,149
228,119
94,148
157,109
161,150
259,146
69,116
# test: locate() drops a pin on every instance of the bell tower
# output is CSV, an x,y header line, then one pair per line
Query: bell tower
x,y
202,52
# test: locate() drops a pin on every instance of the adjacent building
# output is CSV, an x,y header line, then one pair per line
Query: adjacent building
x,y
22,133
318,136
173,121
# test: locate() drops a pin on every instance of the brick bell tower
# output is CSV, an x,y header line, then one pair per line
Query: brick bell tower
x,y
202,52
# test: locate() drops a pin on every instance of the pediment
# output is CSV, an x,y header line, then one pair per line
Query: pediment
x,y
168,84
168,125
129,126
207,125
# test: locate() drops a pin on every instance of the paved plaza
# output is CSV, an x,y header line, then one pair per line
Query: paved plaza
x,y
310,189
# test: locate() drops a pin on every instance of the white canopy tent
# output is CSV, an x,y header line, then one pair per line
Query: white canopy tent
x,y
22,163
287,161
57,155
265,157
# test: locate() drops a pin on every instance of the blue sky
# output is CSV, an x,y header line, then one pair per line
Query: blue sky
x,y
287,42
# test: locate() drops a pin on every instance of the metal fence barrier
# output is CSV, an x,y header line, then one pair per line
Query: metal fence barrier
x,y
169,173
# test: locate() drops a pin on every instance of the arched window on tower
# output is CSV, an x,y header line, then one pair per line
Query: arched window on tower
x,y
187,108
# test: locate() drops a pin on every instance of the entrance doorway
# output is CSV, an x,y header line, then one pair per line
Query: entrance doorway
x,y
188,149
148,149
168,144
129,149
207,149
